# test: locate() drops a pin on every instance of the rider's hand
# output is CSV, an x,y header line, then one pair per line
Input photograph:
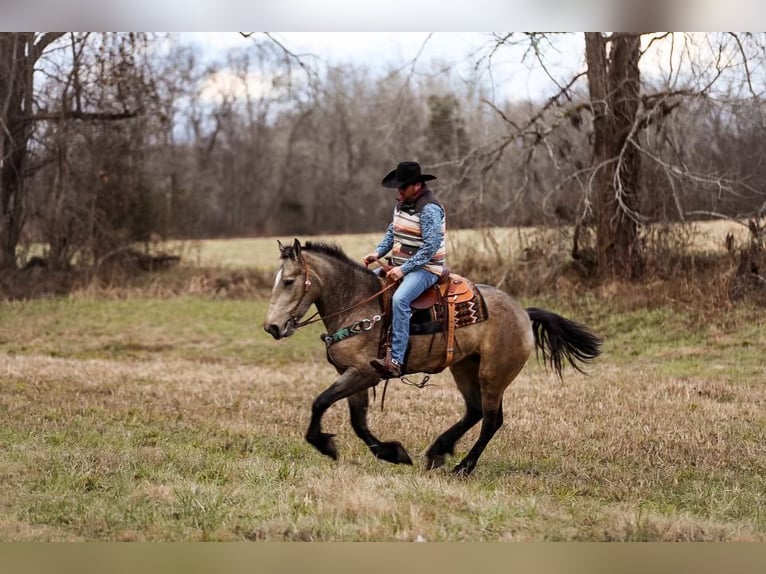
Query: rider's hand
x,y
394,274
370,258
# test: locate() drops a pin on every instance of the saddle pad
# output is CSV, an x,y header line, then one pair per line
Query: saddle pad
x,y
434,319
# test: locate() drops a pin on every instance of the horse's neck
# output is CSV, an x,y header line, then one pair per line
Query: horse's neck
x,y
342,288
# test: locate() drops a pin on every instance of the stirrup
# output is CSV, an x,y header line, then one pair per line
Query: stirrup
x,y
388,368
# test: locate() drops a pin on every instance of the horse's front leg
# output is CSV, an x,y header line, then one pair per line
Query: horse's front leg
x,y
350,382
391,451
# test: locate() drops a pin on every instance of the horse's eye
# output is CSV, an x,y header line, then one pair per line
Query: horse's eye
x,y
288,282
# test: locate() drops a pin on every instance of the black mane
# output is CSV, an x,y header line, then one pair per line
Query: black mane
x,y
331,250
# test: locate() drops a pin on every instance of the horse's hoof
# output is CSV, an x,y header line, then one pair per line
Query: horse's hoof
x,y
434,461
463,469
324,444
393,452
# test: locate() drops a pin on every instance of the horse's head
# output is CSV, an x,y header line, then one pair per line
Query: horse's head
x,y
292,293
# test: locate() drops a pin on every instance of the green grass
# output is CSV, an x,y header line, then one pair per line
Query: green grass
x,y
186,327
178,419
172,416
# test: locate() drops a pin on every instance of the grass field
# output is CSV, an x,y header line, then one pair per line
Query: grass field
x,y
144,417
262,252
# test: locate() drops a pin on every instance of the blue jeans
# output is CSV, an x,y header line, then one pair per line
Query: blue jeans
x,y
413,284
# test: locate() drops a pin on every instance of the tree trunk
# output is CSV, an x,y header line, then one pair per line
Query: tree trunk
x,y
18,54
14,102
614,83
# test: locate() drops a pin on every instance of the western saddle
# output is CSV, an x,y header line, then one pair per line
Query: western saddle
x,y
450,290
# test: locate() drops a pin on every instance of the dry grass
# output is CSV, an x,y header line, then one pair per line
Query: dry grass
x,y
688,262
161,411
161,444
707,237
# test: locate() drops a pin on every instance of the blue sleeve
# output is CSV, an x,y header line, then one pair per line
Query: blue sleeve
x,y
431,228
387,242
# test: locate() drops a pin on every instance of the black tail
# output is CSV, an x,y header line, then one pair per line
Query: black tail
x,y
558,338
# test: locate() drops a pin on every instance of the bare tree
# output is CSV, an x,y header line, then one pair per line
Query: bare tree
x,y
19,52
630,132
614,82
21,113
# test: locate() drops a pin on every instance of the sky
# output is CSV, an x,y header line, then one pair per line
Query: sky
x,y
358,46
515,74
512,76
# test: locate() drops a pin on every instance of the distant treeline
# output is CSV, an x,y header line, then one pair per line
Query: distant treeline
x,y
302,151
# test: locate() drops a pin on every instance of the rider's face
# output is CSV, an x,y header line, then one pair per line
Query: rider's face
x,y
409,191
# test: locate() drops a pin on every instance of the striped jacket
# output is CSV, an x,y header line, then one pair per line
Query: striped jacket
x,y
408,234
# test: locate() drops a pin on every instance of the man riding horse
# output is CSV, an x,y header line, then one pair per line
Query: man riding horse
x,y
484,354
416,240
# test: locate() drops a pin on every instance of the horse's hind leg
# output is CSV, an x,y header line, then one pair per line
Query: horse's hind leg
x,y
466,374
392,451
492,420
493,380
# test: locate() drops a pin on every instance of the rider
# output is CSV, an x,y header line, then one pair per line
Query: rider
x,y
415,238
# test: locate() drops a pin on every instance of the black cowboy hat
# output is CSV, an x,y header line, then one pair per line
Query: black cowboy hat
x,y
406,173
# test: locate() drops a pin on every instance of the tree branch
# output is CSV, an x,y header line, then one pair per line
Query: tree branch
x,y
45,40
309,71
744,62
84,116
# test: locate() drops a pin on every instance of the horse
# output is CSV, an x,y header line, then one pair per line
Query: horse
x,y
487,355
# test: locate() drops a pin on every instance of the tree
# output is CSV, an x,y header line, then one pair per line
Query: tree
x,y
19,52
21,112
632,133
614,83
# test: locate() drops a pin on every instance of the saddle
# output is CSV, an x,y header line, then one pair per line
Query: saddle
x,y
455,289
452,302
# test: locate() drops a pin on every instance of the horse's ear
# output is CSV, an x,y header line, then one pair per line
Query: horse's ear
x,y
297,249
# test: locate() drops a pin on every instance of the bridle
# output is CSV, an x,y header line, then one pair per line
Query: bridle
x,y
297,323
306,286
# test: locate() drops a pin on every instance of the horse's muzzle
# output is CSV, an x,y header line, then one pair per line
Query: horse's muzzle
x,y
273,330
280,332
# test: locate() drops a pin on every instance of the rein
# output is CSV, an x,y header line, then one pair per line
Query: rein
x,y
297,323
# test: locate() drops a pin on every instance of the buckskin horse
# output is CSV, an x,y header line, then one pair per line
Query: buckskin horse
x,y
486,355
